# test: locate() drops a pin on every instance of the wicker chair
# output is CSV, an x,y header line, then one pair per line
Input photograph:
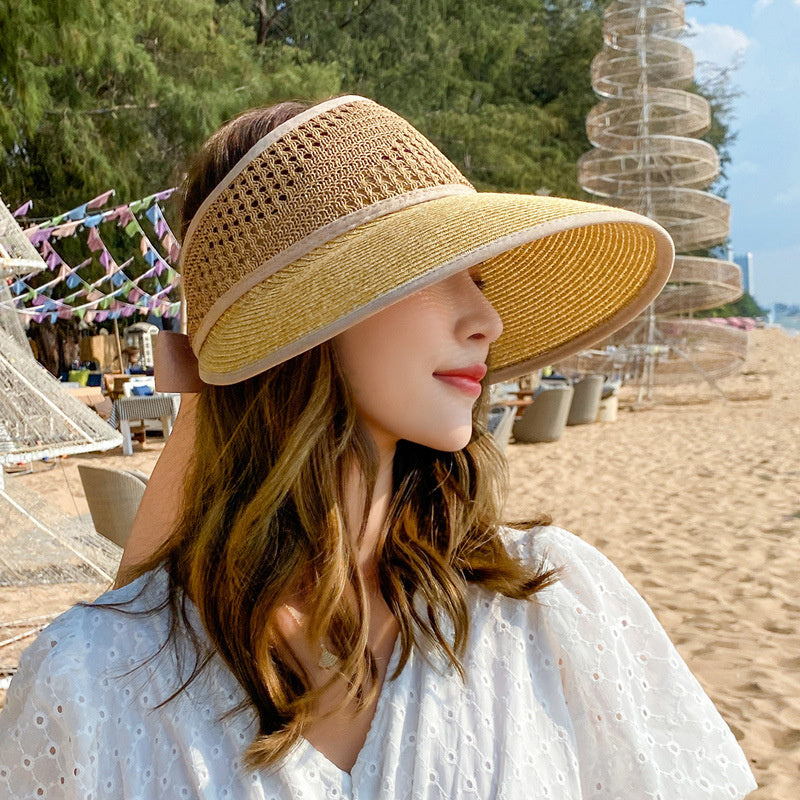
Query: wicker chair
x,y
545,418
113,497
586,400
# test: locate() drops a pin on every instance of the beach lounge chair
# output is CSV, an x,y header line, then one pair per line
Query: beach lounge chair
x,y
545,418
586,400
113,497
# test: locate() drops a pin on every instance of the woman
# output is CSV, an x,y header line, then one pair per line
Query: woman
x,y
337,611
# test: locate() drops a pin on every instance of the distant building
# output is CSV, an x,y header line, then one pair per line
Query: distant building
x,y
745,262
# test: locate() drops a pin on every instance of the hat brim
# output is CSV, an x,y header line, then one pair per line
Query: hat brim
x,y
562,274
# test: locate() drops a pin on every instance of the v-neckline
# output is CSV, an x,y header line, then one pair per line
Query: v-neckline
x,y
344,776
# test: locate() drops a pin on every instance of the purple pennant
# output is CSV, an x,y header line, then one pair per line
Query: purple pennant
x,y
106,260
23,209
36,237
53,260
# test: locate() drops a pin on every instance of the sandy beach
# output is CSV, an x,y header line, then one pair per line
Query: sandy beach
x,y
695,498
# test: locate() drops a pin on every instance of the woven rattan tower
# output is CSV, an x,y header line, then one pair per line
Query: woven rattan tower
x,y
647,158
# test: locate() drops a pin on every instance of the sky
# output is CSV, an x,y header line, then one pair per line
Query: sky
x,y
763,38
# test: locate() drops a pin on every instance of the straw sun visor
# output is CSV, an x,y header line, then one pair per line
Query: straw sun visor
x,y
562,274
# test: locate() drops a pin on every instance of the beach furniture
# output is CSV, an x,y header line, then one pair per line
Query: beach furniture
x,y
113,497
159,406
544,420
501,421
586,399
609,401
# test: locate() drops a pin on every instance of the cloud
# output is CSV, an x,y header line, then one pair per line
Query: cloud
x,y
716,46
761,4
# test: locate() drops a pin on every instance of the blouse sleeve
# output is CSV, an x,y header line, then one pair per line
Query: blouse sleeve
x,y
643,726
46,728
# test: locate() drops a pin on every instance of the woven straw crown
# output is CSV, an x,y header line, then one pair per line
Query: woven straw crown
x,y
347,208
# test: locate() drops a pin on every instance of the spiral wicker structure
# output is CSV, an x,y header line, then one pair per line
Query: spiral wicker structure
x,y
647,158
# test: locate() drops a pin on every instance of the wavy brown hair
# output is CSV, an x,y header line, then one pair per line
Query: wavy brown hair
x,y
263,519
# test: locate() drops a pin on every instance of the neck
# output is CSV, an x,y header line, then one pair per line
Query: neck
x,y
376,513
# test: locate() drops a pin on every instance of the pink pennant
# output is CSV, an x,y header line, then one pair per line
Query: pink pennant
x,y
134,294
101,199
125,216
67,229
94,241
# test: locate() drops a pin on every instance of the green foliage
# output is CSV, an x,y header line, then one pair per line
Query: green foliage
x,y
501,87
745,306
96,95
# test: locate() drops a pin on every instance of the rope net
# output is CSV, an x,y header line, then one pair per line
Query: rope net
x,y
39,418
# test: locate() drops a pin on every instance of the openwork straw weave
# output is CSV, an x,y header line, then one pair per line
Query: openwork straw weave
x,y
347,208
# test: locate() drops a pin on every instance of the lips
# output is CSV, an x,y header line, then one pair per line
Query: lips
x,y
465,379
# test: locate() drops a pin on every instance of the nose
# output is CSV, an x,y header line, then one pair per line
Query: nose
x,y
479,319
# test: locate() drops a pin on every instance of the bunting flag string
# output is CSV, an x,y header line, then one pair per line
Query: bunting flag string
x,y
142,284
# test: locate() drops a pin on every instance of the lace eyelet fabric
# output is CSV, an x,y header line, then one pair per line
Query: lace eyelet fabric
x,y
577,695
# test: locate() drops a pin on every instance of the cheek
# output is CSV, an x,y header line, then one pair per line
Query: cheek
x,y
389,370
398,399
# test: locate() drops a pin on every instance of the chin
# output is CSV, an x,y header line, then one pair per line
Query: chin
x,y
450,441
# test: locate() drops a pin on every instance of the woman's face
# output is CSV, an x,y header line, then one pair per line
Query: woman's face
x,y
414,369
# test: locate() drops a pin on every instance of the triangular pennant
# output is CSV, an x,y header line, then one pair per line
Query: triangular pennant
x,y
100,200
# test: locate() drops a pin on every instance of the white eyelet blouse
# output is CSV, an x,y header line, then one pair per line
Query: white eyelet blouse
x,y
577,695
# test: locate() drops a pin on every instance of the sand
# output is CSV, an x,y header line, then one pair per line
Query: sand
x,y
695,498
